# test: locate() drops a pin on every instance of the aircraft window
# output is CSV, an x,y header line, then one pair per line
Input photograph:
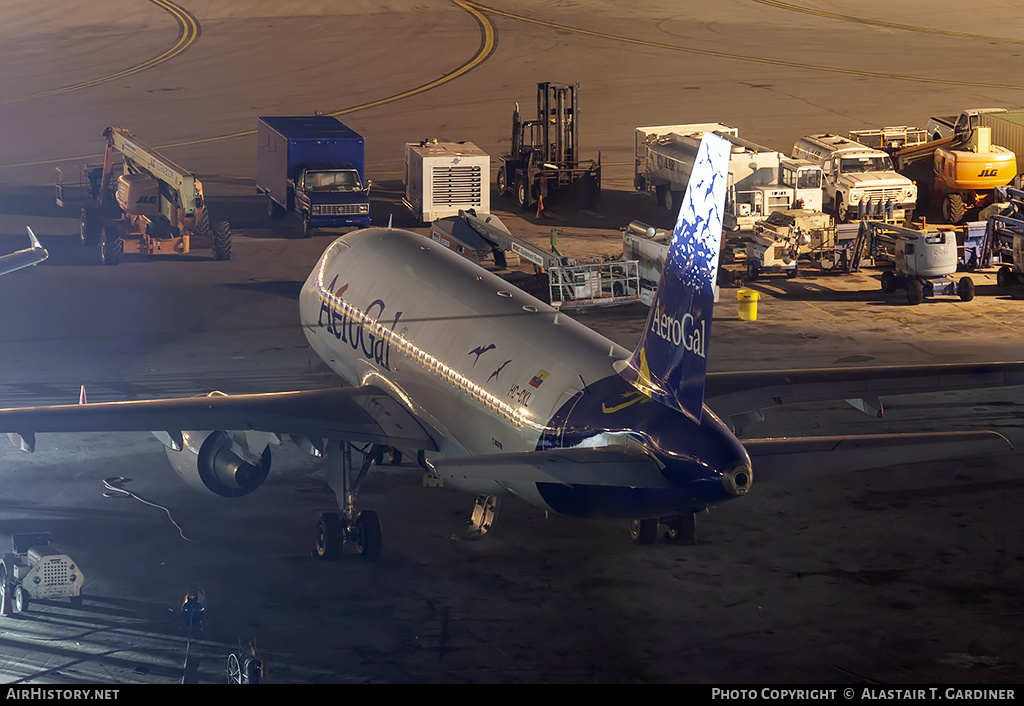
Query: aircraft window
x,y
503,293
530,308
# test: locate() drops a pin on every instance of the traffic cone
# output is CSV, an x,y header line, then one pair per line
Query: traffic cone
x,y
540,206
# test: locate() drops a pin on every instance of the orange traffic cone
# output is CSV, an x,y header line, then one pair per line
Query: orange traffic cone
x,y
540,206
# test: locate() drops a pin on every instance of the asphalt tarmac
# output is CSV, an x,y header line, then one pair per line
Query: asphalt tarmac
x,y
902,575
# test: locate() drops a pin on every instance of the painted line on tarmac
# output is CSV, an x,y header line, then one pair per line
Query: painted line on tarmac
x,y
188,34
882,23
488,43
740,57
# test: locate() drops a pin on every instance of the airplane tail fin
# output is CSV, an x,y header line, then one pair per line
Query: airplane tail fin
x,y
670,361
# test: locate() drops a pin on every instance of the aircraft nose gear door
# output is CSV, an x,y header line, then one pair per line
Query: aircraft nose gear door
x,y
362,529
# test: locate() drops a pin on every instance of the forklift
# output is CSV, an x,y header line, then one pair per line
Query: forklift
x,y
543,160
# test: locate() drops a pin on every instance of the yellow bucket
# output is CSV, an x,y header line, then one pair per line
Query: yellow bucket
x,y
748,304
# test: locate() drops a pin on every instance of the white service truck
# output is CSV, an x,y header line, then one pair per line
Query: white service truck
x,y
761,181
858,181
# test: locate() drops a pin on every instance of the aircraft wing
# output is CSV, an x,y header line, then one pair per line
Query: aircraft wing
x,y
735,393
616,466
813,456
23,258
359,414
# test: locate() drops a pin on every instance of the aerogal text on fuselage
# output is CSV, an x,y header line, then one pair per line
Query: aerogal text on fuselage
x,y
359,329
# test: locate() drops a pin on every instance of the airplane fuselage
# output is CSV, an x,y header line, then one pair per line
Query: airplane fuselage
x,y
488,369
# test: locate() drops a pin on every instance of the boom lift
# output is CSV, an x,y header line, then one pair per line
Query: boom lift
x,y
151,206
543,160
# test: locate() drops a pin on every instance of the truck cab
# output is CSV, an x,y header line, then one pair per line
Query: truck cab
x,y
858,181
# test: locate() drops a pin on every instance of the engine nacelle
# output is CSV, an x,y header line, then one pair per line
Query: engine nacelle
x,y
221,462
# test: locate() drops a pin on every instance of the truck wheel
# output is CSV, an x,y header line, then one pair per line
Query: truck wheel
x,y
1004,277
523,196
222,241
915,292
842,210
753,271
111,246
965,289
502,183
953,208
889,283
91,228
669,200
20,599
591,191
307,230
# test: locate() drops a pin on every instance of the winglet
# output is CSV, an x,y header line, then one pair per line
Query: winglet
x,y
81,396
34,239
670,362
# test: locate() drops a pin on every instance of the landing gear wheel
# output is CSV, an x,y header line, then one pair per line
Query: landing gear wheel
x,y
234,670
111,246
369,538
965,289
330,536
682,529
915,292
393,457
20,599
953,208
1004,277
644,531
222,241
753,271
502,183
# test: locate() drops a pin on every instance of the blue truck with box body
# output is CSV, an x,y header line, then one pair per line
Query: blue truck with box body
x,y
313,165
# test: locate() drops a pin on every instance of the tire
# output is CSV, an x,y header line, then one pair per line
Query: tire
x,y
591,191
681,528
644,531
222,241
953,208
753,271
502,183
524,197
21,599
889,282
1004,277
841,210
915,292
234,670
393,457
92,227
203,222
369,538
670,200
790,274
111,246
965,289
307,230
330,536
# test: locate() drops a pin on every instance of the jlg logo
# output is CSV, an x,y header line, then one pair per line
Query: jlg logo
x,y
146,200
987,173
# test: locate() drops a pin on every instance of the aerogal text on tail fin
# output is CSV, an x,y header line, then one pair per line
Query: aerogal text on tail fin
x,y
670,361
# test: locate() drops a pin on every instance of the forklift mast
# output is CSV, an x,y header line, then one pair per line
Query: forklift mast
x,y
556,113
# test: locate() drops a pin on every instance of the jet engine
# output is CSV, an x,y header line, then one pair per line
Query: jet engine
x,y
221,462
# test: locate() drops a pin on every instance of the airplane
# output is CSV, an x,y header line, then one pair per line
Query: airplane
x,y
24,258
498,394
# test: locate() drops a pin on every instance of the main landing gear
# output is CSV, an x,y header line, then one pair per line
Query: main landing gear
x,y
361,529
680,529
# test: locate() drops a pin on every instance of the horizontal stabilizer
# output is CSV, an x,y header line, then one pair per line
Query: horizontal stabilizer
x,y
812,456
608,466
359,414
730,393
